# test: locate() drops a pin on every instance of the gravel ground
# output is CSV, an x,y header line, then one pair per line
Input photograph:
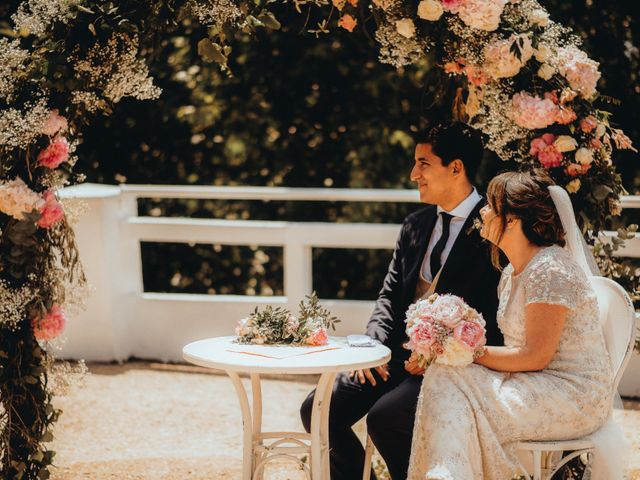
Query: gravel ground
x,y
143,420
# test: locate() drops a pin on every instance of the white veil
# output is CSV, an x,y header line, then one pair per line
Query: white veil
x,y
611,451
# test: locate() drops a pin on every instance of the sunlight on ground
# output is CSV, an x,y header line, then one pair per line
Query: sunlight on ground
x,y
144,421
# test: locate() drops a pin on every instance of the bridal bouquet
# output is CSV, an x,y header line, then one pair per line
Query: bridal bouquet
x,y
444,329
279,326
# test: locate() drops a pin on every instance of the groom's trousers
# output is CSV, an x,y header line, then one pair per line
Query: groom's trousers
x,y
390,408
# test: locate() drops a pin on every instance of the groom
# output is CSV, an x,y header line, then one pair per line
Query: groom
x,y
439,237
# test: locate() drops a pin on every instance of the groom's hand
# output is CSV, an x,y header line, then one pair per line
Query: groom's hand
x,y
413,366
363,375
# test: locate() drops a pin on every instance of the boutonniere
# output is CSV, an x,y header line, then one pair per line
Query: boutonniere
x,y
476,225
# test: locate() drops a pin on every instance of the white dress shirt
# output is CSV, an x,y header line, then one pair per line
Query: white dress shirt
x,y
460,215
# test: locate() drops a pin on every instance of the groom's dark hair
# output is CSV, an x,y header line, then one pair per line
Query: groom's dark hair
x,y
452,141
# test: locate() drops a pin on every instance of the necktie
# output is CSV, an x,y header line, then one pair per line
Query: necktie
x,y
436,253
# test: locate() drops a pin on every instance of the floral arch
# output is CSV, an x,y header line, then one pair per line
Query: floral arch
x,y
521,78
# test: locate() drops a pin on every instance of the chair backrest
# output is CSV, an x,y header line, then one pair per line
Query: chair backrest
x,y
618,320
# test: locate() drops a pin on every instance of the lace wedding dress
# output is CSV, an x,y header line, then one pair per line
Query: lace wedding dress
x,y
468,419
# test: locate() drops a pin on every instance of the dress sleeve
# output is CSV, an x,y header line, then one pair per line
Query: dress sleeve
x,y
552,281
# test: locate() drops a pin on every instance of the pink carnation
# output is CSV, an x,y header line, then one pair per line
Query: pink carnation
x,y
532,112
318,337
56,153
50,326
51,211
470,334
588,124
544,149
54,123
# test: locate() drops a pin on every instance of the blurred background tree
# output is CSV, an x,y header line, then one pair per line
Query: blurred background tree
x,y
302,111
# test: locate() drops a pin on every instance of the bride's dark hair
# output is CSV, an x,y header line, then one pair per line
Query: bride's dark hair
x,y
525,195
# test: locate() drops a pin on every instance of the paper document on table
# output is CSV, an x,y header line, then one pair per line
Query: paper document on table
x,y
280,352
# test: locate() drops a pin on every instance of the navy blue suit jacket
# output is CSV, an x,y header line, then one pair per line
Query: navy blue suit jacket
x,y
467,273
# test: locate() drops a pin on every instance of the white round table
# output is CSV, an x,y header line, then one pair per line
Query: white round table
x,y
327,360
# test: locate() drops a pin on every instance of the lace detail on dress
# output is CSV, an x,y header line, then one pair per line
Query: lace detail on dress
x,y
468,419
553,278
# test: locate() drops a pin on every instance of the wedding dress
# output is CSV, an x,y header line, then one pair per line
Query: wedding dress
x,y
469,419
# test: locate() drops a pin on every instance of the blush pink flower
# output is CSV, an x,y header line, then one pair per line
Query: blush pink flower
x,y
318,337
540,143
449,310
500,62
421,337
580,71
470,334
51,211
50,326
54,123
532,112
588,124
56,153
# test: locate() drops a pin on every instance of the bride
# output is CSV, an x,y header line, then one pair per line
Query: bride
x,y
552,379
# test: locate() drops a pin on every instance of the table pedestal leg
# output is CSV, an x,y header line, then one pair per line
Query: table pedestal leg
x,y
249,422
320,428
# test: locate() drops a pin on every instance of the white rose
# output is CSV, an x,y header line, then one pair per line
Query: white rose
x,y
600,130
406,28
542,53
546,71
565,143
574,185
430,10
539,17
584,156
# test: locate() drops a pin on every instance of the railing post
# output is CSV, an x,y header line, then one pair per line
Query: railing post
x,y
298,274
94,333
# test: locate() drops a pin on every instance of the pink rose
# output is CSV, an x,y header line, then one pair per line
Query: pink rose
x,y
50,326
56,153
51,211
54,123
550,157
318,337
470,334
588,124
449,310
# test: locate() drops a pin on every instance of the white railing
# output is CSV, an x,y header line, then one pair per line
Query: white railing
x,y
122,320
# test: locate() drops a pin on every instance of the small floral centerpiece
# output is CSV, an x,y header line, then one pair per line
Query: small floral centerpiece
x,y
279,326
444,329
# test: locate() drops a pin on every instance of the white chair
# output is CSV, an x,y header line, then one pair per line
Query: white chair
x,y
618,320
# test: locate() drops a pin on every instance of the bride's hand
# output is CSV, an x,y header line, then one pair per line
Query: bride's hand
x,y
413,366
